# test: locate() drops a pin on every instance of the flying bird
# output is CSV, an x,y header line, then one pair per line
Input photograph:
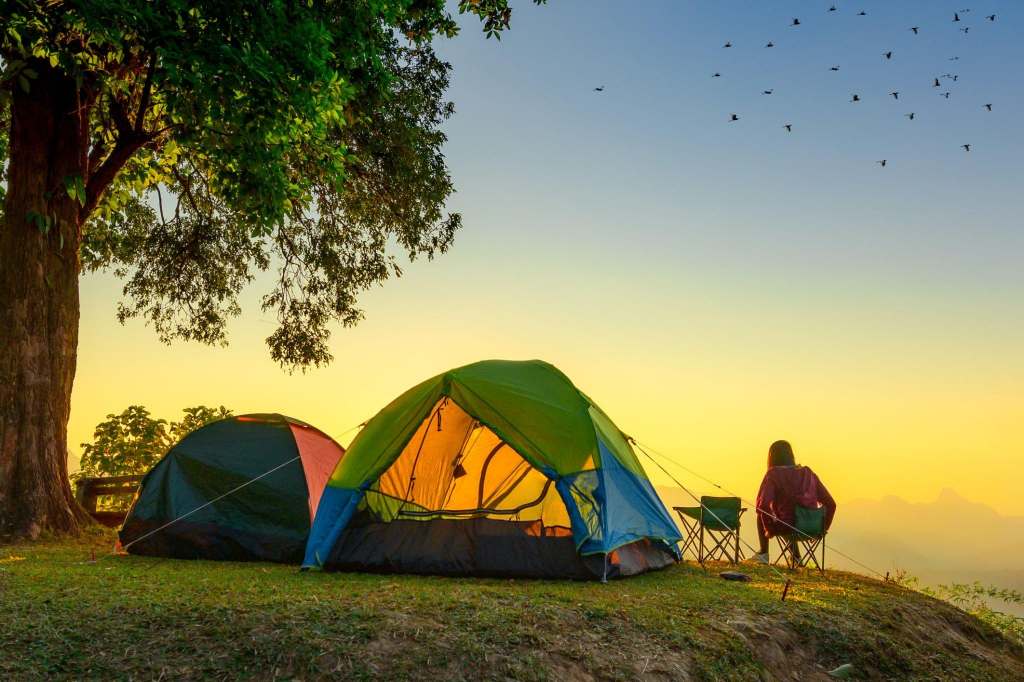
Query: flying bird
x,y
881,162
888,55
953,59
770,45
966,147
788,127
910,116
834,68
956,17
796,22
914,29
768,92
832,8
856,98
716,75
944,94
734,118
936,83
895,95
600,89
988,106
862,14
991,17
965,29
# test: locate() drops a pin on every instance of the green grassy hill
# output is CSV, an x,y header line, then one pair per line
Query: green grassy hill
x,y
137,618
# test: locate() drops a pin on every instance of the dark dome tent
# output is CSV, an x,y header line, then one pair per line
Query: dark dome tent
x,y
268,519
499,469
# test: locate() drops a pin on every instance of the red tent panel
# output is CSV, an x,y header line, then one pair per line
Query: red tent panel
x,y
320,455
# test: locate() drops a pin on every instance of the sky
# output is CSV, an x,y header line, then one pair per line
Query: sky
x,y
713,285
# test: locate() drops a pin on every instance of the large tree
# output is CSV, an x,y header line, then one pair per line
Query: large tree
x,y
187,143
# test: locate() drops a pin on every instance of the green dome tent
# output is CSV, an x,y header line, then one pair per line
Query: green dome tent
x,y
497,468
178,514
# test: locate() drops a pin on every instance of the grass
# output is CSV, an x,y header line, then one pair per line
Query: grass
x,y
131,617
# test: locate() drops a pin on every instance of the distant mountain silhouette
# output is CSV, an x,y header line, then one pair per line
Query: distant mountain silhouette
x,y
950,533
950,539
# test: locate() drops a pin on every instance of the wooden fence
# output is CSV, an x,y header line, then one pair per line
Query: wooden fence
x,y
89,490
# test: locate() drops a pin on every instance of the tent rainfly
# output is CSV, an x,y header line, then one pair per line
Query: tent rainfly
x,y
268,519
497,468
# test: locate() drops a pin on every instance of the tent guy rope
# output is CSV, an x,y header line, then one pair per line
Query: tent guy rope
x,y
694,496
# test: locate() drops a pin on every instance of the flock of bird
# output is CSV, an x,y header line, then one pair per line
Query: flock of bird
x,y
888,55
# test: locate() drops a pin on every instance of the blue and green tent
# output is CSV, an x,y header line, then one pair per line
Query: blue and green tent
x,y
497,468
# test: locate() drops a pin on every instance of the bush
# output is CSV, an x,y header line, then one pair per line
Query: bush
x,y
975,600
130,443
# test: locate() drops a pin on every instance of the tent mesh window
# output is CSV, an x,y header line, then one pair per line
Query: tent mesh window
x,y
454,467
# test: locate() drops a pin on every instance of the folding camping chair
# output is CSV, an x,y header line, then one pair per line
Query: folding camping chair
x,y
718,520
806,544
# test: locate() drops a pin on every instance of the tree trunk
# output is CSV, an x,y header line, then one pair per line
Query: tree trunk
x,y
39,314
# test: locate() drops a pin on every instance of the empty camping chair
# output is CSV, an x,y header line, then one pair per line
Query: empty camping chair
x,y
690,516
713,529
806,544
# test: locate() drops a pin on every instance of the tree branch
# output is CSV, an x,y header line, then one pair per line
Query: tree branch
x,y
147,91
187,186
130,139
107,171
120,116
95,157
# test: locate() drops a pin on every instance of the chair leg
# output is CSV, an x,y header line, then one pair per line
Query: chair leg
x,y
808,556
813,553
690,543
718,546
783,551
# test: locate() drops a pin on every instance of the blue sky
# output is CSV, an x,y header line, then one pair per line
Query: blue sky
x,y
654,148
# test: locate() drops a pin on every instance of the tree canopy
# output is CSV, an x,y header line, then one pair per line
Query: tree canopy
x,y
229,136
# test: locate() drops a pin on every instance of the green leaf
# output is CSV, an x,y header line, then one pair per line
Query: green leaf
x,y
23,82
75,187
80,186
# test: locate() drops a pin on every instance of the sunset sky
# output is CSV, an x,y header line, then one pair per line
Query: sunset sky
x,y
714,286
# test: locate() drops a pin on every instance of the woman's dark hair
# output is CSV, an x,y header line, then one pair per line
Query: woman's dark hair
x,y
780,454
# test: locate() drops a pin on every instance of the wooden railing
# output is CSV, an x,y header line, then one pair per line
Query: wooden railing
x,y
89,490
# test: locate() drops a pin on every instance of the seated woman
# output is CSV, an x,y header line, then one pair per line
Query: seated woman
x,y
785,486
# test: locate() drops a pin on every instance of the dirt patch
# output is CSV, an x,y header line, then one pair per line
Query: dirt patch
x,y
779,649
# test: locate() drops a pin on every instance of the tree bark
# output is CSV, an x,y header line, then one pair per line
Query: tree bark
x,y
39,307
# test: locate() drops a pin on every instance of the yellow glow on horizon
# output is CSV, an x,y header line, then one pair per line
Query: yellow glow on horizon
x,y
877,397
